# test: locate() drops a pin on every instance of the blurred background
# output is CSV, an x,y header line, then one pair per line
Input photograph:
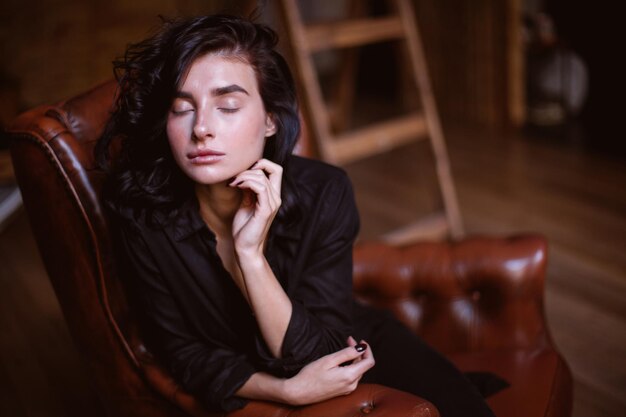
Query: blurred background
x,y
530,94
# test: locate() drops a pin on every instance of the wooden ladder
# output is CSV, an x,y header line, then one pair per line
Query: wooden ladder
x,y
350,146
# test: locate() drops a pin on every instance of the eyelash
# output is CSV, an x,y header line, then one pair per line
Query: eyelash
x,y
179,112
228,110
222,109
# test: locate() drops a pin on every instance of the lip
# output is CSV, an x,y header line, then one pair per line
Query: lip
x,y
205,156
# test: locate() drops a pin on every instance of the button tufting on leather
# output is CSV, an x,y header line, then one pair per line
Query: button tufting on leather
x,y
366,409
419,295
476,295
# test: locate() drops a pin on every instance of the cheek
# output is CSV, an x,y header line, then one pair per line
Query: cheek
x,y
176,133
260,128
259,143
249,135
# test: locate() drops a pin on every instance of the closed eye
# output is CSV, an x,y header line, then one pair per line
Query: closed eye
x,y
228,109
181,111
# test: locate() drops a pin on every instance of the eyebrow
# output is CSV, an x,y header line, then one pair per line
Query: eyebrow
x,y
216,92
233,88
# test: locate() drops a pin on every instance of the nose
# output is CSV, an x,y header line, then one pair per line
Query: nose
x,y
203,127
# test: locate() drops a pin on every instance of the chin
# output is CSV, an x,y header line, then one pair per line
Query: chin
x,y
210,179
209,176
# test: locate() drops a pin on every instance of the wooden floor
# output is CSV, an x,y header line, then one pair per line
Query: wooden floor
x,y
505,185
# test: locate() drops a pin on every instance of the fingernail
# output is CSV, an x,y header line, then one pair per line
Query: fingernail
x,y
360,347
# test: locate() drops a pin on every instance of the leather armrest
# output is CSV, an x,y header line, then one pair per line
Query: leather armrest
x,y
373,400
478,293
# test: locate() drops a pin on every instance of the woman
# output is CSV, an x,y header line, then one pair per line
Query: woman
x,y
240,253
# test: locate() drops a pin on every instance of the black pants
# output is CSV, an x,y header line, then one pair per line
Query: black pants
x,y
405,362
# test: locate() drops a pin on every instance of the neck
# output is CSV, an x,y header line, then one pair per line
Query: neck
x,y
218,205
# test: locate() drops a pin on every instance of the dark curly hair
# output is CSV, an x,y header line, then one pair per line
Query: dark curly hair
x,y
144,176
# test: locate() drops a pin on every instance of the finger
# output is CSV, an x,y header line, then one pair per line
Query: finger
x,y
344,355
259,177
367,361
367,353
256,174
274,171
264,199
352,342
360,367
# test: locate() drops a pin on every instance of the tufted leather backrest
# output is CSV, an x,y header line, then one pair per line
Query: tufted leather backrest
x,y
482,293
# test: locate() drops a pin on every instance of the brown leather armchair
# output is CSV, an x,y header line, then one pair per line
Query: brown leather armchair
x,y
479,301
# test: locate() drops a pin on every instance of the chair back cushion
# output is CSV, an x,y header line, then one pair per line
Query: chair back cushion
x,y
478,294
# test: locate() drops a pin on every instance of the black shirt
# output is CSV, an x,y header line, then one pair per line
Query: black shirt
x,y
198,321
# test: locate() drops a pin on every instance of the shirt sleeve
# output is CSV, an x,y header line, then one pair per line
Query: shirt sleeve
x,y
322,298
211,373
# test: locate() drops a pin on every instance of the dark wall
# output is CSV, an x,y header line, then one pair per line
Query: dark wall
x,y
53,49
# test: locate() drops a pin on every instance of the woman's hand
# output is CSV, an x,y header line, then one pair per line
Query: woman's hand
x,y
261,185
326,377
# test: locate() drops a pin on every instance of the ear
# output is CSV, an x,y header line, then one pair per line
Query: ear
x,y
270,125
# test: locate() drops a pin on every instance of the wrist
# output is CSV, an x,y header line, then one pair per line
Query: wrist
x,y
262,386
248,248
288,392
250,258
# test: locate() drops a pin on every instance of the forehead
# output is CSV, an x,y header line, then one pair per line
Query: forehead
x,y
218,70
